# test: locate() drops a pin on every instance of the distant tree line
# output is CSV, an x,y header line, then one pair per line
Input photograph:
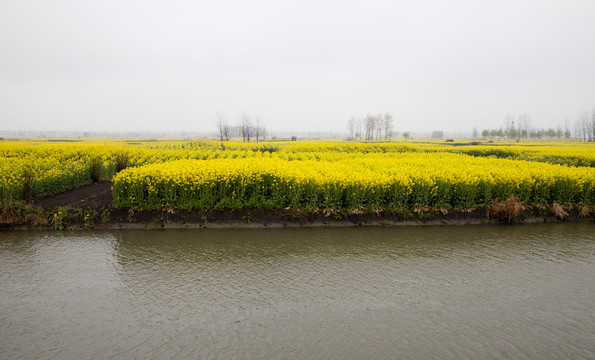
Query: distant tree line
x,y
550,133
246,128
371,127
519,127
585,126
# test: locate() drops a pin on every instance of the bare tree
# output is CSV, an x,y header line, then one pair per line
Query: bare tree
x,y
509,129
388,125
245,127
226,131
371,127
577,129
351,123
369,124
259,129
523,125
222,127
566,130
359,125
379,125
585,127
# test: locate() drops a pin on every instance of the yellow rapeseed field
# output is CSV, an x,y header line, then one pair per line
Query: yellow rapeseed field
x,y
344,180
214,175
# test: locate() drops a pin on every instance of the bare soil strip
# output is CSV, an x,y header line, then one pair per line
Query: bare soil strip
x,y
95,195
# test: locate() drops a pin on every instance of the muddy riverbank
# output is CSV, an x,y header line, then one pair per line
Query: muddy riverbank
x,y
91,207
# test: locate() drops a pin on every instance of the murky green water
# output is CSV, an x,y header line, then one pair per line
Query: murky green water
x,y
522,292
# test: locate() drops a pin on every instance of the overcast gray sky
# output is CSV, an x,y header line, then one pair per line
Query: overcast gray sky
x,y
300,65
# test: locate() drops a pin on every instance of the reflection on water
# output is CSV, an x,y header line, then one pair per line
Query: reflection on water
x,y
419,292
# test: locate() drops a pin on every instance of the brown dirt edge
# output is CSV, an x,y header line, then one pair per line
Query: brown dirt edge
x,y
90,207
108,218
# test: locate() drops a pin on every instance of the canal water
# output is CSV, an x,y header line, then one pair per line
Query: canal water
x,y
463,292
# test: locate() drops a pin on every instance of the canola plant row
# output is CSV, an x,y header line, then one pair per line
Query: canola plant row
x,y
53,168
563,153
570,156
210,174
45,170
349,182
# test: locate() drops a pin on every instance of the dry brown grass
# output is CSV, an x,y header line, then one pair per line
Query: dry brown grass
x,y
559,211
14,214
509,210
585,211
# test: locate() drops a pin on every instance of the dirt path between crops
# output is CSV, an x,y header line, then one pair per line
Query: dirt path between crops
x,y
96,195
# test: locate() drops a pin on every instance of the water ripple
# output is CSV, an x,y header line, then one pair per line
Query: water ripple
x,y
435,293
